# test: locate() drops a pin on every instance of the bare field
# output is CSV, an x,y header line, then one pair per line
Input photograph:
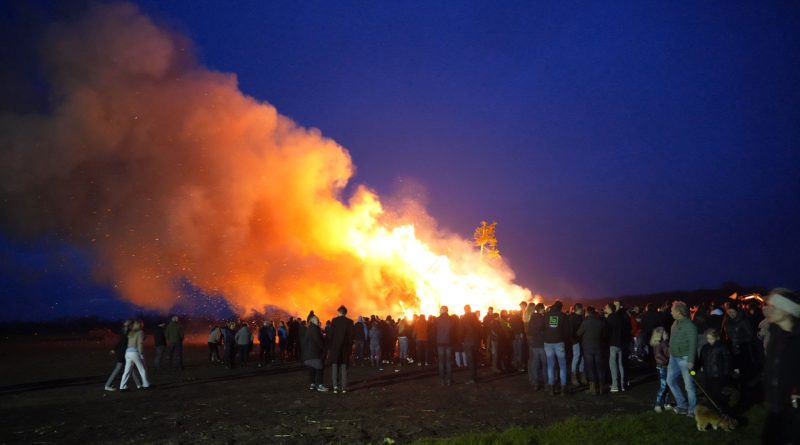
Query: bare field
x,y
52,392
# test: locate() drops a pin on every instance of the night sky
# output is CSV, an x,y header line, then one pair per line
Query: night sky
x,y
625,147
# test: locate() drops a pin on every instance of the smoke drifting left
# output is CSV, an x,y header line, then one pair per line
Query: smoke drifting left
x,y
165,170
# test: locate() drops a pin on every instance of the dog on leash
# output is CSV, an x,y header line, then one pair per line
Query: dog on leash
x,y
706,416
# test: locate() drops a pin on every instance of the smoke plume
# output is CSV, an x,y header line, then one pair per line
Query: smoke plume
x,y
167,172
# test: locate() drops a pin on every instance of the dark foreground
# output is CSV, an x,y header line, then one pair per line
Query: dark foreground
x,y
52,392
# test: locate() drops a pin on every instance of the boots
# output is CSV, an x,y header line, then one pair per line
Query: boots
x,y
582,378
575,380
592,388
563,391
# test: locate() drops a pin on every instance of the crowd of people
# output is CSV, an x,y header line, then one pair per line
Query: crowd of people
x,y
733,351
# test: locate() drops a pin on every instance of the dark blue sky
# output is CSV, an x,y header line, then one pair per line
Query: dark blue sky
x,y
623,147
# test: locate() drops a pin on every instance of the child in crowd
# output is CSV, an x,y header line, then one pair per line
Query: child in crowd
x,y
715,363
659,344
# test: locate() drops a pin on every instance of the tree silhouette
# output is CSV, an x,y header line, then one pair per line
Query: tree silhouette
x,y
485,239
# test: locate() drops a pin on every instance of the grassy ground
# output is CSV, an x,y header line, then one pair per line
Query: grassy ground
x,y
645,428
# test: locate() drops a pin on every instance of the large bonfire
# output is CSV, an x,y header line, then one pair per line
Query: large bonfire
x,y
167,172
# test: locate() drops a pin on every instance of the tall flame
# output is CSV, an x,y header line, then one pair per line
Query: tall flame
x,y
167,172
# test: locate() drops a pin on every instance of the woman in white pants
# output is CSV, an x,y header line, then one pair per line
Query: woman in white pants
x,y
134,355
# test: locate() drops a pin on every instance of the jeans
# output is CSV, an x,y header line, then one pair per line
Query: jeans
x,y
116,372
616,363
445,363
244,351
133,358
577,358
213,352
471,355
176,347
266,352
403,343
679,367
661,396
556,351
315,375
422,351
338,370
375,353
158,357
494,353
537,368
595,366
516,347
359,351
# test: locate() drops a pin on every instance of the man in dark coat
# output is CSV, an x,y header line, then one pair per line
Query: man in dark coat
x,y
593,333
174,335
537,359
341,347
444,346
160,340
313,351
619,324
471,335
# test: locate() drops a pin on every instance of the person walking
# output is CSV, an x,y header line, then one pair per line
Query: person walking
x,y
682,355
174,334
119,353
313,351
341,347
134,355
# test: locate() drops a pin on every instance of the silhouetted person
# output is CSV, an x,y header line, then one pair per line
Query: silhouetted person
x,y
313,353
341,346
160,340
444,346
174,334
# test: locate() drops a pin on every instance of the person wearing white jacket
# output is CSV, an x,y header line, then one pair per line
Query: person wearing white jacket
x,y
134,355
243,341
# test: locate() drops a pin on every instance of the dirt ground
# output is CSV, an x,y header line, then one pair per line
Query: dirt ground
x,y
52,392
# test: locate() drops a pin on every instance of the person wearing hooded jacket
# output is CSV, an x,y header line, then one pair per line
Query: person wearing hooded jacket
x,y
556,334
313,351
537,359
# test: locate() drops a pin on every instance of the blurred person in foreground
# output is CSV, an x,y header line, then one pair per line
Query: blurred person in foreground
x,y
782,368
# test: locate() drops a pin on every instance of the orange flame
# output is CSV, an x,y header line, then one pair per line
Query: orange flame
x,y
167,172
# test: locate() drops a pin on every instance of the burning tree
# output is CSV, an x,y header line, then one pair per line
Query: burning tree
x,y
485,239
